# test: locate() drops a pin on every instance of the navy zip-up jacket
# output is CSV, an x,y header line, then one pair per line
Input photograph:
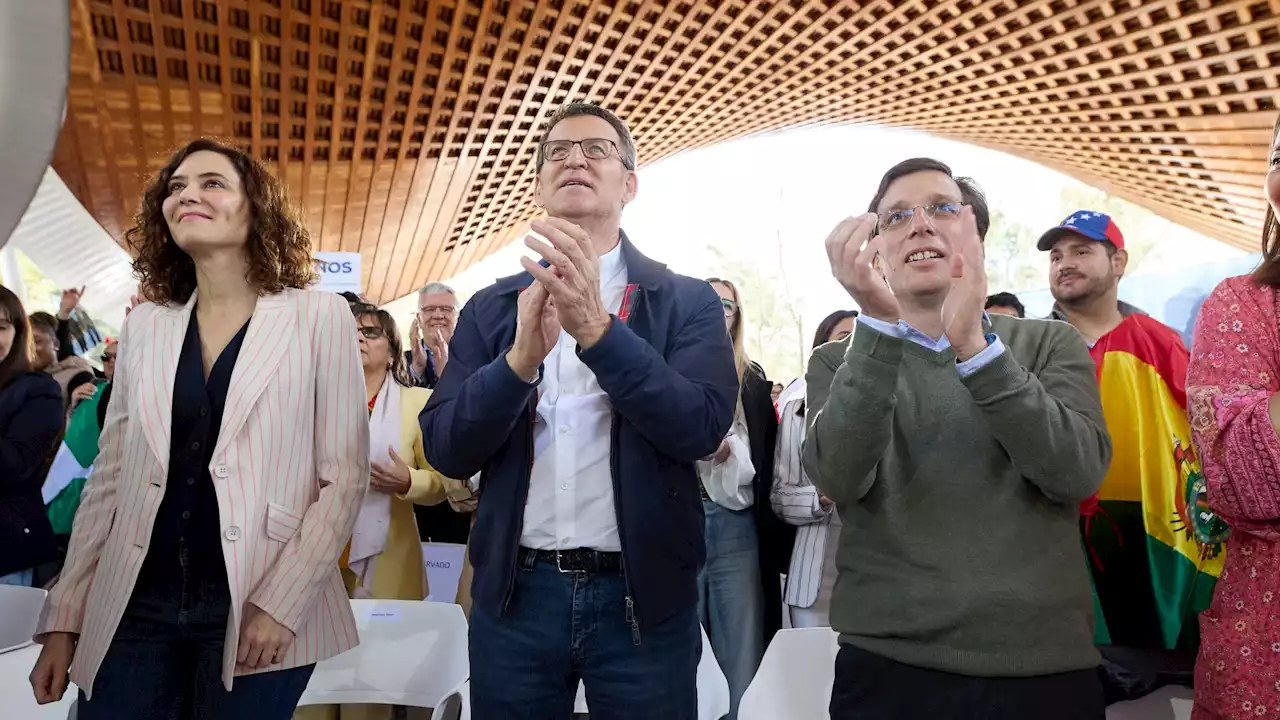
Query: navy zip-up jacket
x,y
667,367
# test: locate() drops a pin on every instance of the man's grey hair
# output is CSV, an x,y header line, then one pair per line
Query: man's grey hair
x,y
438,287
626,145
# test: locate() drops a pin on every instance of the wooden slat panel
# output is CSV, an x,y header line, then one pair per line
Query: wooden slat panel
x,y
406,129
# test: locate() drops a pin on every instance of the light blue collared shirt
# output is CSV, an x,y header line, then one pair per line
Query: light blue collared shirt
x,y
906,332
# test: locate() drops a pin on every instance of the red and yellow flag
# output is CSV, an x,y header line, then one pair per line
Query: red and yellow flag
x,y
1159,549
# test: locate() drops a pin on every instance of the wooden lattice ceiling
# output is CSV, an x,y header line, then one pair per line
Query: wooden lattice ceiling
x,y
406,128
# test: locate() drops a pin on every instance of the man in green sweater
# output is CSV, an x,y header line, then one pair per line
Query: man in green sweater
x,y
957,447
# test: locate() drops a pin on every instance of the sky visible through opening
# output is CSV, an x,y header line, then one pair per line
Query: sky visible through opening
x,y
751,197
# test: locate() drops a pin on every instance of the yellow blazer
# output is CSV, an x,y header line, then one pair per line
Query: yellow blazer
x,y
398,572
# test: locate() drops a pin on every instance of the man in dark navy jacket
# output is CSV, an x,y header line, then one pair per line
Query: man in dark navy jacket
x,y
584,389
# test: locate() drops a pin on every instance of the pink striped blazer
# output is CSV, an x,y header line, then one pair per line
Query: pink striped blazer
x,y
290,468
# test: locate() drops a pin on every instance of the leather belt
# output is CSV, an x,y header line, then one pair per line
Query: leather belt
x,y
702,490
577,560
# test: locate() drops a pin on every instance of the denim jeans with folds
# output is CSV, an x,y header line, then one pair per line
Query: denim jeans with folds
x,y
731,605
560,628
165,660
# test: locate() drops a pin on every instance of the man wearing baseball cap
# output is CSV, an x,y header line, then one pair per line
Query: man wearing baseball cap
x,y
1155,556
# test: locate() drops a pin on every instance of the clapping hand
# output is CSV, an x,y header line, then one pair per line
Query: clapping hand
x,y
417,352
537,331
853,253
962,312
438,343
573,278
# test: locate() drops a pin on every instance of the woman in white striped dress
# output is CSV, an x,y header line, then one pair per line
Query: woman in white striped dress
x,y
812,575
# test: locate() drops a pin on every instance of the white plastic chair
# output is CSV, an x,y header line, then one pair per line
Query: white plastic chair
x,y
795,677
713,693
19,614
411,652
1171,702
456,705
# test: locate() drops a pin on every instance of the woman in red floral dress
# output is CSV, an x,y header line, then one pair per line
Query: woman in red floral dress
x,y
1233,393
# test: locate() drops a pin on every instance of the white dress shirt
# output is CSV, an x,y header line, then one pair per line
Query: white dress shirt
x,y
728,483
797,502
902,330
570,501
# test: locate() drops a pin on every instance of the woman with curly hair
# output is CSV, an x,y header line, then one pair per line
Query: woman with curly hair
x,y
202,575
1233,398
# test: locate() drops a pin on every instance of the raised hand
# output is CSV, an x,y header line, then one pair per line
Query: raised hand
x,y
537,331
438,341
573,280
853,252
416,351
962,312
69,302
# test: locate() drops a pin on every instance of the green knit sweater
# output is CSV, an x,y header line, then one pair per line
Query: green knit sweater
x,y
959,498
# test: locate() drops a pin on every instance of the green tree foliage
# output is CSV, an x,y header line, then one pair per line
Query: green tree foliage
x,y
1013,263
42,293
774,336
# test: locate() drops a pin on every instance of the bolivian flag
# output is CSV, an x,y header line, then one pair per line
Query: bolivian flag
x,y
1156,549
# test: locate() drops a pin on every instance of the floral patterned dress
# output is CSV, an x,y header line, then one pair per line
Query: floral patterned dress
x,y
1234,370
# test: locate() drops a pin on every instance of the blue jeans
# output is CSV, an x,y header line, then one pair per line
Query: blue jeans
x,y
165,662
730,603
564,627
21,577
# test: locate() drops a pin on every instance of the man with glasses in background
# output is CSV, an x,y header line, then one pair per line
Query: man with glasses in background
x,y
962,589
586,388
428,354
430,333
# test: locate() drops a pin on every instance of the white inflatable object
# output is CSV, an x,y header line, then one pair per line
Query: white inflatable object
x,y
35,48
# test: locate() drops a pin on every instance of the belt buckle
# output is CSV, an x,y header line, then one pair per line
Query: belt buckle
x,y
562,570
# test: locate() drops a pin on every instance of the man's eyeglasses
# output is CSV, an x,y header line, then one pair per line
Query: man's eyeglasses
x,y
896,220
371,332
592,149
436,309
730,307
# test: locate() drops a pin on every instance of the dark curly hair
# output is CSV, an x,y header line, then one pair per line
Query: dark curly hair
x,y
278,245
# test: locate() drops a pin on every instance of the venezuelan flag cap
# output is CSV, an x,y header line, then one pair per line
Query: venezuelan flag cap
x,y
1086,223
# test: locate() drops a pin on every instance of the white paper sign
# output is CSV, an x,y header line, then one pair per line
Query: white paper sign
x,y
443,564
338,272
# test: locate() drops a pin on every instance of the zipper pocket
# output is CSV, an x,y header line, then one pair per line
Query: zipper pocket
x,y
632,620
515,566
